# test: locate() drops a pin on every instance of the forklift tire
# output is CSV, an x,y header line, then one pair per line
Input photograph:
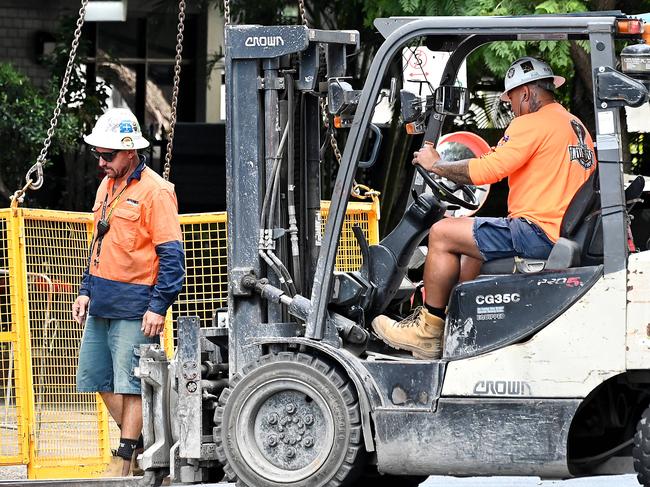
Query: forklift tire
x,y
641,450
290,419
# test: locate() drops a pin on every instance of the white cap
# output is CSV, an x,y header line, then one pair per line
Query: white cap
x,y
117,128
526,70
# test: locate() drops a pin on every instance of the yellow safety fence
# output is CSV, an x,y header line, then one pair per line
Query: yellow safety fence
x,y
44,423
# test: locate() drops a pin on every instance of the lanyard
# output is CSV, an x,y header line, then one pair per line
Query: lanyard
x,y
103,225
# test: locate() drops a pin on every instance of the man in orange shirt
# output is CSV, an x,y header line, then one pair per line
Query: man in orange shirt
x,y
135,271
546,154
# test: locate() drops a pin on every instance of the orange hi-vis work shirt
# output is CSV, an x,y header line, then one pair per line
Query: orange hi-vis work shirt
x,y
546,156
139,263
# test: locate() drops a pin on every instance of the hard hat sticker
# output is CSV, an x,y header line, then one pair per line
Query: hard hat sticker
x,y
127,142
527,66
126,127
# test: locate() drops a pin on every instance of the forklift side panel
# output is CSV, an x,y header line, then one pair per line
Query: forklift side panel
x,y
477,437
638,312
408,384
494,311
569,357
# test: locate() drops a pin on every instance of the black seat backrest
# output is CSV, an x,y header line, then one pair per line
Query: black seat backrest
x,y
582,221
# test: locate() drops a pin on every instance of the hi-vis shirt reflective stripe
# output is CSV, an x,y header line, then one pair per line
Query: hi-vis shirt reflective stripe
x,y
547,156
141,264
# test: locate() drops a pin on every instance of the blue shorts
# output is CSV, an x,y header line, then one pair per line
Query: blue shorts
x,y
497,238
106,358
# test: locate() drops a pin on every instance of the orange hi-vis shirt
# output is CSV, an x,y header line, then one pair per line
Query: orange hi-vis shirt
x,y
139,264
546,156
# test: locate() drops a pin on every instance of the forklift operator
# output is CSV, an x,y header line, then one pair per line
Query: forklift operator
x,y
547,154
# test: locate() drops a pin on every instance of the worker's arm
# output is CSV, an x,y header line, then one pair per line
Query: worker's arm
x,y
166,236
513,151
80,305
456,171
171,275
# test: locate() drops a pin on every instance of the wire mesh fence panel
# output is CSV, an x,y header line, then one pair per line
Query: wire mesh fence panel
x,y
363,215
206,281
12,424
67,424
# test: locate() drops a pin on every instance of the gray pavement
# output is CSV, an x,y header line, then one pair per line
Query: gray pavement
x,y
603,481
435,481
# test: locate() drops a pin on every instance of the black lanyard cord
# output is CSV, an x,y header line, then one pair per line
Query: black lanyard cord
x,y
103,225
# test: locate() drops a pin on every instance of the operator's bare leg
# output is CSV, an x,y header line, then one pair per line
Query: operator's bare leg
x,y
421,333
448,240
131,422
469,268
114,405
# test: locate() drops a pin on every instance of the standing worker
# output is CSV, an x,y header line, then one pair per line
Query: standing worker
x,y
546,154
135,272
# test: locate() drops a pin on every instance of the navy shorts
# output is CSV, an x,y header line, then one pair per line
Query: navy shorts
x,y
497,238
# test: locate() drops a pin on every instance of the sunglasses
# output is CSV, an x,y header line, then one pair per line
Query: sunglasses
x,y
107,156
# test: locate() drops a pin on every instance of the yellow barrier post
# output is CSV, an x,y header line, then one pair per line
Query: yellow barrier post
x,y
20,324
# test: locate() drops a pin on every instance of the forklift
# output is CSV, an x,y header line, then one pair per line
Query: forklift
x,y
293,389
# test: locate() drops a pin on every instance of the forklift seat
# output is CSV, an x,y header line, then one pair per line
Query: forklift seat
x,y
581,234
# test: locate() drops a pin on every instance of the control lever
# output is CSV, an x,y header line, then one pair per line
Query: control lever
x,y
365,252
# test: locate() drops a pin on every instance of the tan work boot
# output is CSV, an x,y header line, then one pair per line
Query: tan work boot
x,y
136,471
419,333
116,468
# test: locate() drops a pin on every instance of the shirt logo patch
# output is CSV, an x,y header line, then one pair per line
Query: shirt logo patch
x,y
503,140
581,152
132,202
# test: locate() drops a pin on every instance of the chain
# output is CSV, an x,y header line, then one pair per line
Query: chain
x,y
177,79
37,168
303,15
363,192
330,129
226,11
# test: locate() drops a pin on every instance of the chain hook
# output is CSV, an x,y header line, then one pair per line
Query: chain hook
x,y
38,169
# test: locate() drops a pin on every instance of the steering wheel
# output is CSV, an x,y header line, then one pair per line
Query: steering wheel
x,y
469,200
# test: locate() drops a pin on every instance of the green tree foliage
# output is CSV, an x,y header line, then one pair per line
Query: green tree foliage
x,y
386,8
25,114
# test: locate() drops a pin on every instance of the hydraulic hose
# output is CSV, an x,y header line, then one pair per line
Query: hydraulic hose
x,y
291,178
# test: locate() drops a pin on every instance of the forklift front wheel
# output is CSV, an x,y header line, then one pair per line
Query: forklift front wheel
x,y
641,450
290,419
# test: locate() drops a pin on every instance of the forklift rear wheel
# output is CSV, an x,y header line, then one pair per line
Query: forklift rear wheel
x,y
641,450
290,419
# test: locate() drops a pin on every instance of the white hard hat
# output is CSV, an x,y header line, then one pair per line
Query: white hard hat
x,y
117,128
525,70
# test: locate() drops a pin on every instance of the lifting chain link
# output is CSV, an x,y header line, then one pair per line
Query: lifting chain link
x,y
359,191
363,192
19,196
226,11
301,10
330,130
177,79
